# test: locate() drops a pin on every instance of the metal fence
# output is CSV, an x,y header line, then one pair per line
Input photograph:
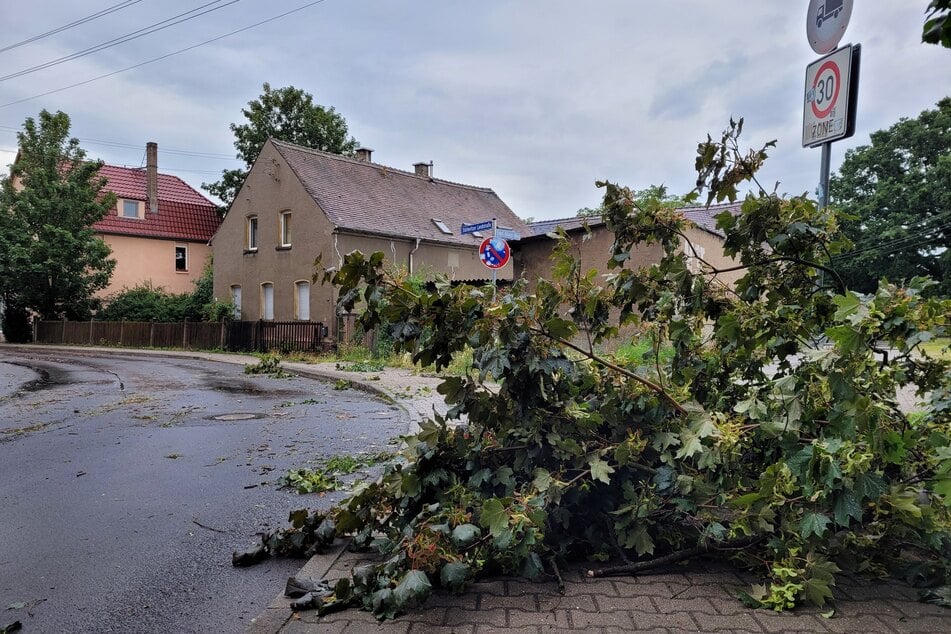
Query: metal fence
x,y
236,336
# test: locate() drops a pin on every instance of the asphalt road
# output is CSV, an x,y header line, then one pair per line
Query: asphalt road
x,y
122,496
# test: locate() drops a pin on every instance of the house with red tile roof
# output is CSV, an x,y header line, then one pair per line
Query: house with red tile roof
x,y
160,229
297,203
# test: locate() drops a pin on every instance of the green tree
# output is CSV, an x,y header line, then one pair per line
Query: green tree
x,y
898,190
937,28
51,260
287,114
656,193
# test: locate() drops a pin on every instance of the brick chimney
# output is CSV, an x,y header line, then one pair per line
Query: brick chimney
x,y
424,169
364,153
151,175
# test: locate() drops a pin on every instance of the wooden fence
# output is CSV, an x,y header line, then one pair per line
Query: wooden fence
x,y
236,336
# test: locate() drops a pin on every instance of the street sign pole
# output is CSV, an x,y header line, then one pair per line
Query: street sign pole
x,y
493,270
824,161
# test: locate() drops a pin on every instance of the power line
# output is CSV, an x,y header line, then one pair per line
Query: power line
x,y
136,146
166,56
88,18
128,37
899,244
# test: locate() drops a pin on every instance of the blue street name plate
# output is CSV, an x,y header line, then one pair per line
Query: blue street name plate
x,y
479,226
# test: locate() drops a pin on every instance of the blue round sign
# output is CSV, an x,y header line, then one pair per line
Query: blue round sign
x,y
494,252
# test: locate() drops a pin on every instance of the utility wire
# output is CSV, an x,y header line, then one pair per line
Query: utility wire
x,y
166,56
899,244
128,37
88,18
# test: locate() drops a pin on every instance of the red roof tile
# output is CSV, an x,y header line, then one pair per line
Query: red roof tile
x,y
702,216
183,213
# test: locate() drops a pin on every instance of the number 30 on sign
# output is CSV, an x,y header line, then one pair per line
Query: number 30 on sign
x,y
829,108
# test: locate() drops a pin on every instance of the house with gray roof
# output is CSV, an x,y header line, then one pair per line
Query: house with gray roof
x,y
534,250
298,203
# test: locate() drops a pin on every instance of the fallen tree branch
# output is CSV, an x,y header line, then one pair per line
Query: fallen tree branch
x,y
674,557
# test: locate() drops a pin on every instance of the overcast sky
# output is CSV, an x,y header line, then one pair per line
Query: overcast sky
x,y
536,99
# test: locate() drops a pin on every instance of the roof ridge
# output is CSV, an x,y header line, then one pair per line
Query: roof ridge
x,y
371,164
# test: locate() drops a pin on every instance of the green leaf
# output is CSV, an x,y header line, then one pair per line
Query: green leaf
x,y
813,524
846,506
601,470
936,596
846,338
532,567
543,480
494,517
454,576
412,590
465,534
816,591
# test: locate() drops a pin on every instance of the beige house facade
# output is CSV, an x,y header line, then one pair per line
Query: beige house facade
x,y
297,204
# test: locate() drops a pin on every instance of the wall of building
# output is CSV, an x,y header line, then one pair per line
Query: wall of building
x,y
149,260
271,188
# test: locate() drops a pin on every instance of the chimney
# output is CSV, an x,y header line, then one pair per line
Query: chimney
x,y
151,174
363,154
424,169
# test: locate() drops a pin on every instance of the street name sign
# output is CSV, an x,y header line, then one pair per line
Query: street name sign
x,y
478,226
830,97
507,234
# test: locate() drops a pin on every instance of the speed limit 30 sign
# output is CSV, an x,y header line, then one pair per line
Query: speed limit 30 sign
x,y
831,87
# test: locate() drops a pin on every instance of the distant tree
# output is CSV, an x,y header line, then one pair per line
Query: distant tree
x,y
898,189
287,114
51,260
937,29
147,303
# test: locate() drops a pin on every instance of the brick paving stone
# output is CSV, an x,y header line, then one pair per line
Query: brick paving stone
x,y
301,627
860,589
586,587
494,617
655,630
491,629
434,616
917,609
523,602
727,605
648,620
496,587
518,619
801,621
619,618
607,604
929,624
466,600
719,623
519,587
708,591
425,628
549,602
672,606
641,588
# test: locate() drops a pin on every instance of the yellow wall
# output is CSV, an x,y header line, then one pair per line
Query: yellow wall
x,y
149,260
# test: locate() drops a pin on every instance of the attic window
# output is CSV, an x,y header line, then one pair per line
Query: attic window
x,y
442,226
130,208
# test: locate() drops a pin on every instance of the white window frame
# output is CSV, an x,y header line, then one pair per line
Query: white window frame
x,y
185,248
286,225
125,203
236,301
302,303
267,301
252,231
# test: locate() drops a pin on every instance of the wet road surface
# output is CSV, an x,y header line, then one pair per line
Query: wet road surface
x,y
126,482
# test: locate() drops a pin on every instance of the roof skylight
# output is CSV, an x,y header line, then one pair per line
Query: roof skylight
x,y
442,226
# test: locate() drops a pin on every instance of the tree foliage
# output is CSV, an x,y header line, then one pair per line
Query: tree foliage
x,y
51,260
937,28
287,114
149,303
653,192
898,190
773,436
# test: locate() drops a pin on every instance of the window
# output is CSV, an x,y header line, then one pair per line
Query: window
x,y
442,226
285,228
130,208
236,301
181,258
252,231
267,301
302,301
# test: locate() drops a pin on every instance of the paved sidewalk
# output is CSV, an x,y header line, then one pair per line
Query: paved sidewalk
x,y
698,598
